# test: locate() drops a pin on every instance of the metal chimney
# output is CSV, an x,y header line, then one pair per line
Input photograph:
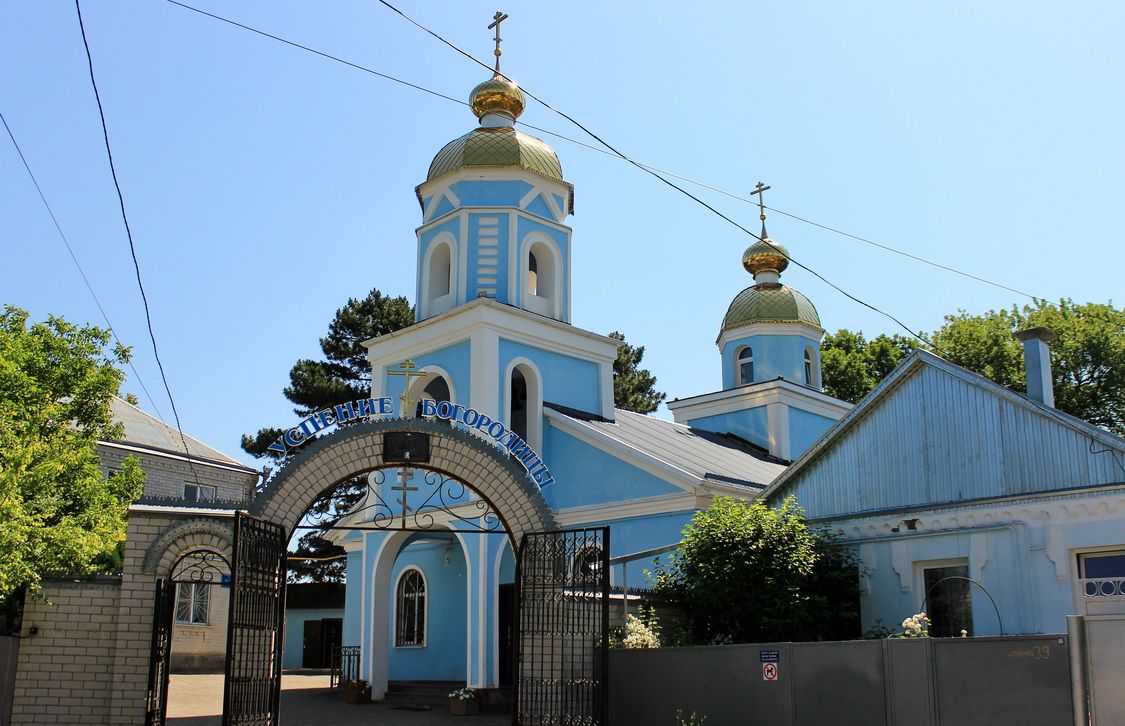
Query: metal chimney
x,y
1037,364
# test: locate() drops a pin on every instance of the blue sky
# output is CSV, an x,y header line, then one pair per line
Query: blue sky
x,y
266,185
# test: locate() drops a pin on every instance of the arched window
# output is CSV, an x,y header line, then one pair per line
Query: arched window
x,y
525,403
518,419
745,366
439,278
437,389
542,280
810,379
410,609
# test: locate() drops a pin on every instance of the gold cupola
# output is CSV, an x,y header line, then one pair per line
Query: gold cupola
x,y
498,95
765,255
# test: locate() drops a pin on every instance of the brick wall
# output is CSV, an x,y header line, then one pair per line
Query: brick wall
x,y
64,670
165,476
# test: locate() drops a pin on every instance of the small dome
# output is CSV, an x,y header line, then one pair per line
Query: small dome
x,y
765,254
770,303
502,146
497,95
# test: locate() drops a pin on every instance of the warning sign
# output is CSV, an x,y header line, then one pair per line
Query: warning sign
x,y
769,671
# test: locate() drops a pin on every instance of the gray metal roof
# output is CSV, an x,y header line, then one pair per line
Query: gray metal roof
x,y
146,430
703,455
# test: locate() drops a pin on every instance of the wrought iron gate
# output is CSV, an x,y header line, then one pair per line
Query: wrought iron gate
x,y
257,609
562,640
156,700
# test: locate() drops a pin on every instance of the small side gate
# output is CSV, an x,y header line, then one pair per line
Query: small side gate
x,y
257,609
195,571
562,639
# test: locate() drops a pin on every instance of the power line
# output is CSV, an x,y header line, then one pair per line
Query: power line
x,y
671,184
81,272
647,167
129,234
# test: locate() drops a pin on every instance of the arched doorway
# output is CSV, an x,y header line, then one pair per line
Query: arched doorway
x,y
551,589
186,595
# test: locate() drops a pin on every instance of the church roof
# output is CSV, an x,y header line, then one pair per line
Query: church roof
x,y
148,431
770,303
501,146
701,455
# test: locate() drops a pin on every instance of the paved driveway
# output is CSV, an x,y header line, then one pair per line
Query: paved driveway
x,y
197,700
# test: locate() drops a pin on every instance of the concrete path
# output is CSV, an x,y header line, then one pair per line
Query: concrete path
x,y
197,700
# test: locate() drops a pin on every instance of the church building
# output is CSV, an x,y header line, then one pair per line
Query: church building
x,y
494,339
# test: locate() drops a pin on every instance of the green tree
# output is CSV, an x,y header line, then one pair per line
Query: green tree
x,y
851,366
746,572
1087,354
344,374
634,388
60,514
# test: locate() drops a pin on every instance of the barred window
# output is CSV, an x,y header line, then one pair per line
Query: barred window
x,y
193,603
410,609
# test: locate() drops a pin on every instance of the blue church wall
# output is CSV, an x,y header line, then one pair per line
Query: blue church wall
x,y
497,221
538,206
566,381
491,193
642,533
293,652
443,655
507,565
749,424
454,359
804,429
775,356
587,475
353,602
524,227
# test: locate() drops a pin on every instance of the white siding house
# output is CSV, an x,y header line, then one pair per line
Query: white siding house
x,y
992,512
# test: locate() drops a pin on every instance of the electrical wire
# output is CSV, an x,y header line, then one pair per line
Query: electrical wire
x,y
663,179
129,234
81,272
647,167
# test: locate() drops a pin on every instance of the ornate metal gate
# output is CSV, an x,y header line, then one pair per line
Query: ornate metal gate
x,y
156,700
257,610
562,581
198,570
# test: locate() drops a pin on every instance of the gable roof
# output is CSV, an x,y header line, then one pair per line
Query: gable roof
x,y
145,430
685,455
933,433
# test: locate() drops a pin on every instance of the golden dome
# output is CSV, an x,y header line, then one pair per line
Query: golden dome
x,y
770,303
497,95
765,254
502,146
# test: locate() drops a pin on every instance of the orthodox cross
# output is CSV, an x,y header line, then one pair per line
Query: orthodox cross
x,y
498,18
406,370
404,475
760,190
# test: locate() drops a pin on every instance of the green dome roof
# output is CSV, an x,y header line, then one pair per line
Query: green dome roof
x,y
497,147
770,303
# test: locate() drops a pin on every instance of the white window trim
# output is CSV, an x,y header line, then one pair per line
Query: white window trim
x,y
425,608
1078,588
738,365
210,487
534,402
418,387
920,567
427,305
532,239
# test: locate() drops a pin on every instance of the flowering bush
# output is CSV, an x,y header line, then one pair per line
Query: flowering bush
x,y
916,626
463,694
